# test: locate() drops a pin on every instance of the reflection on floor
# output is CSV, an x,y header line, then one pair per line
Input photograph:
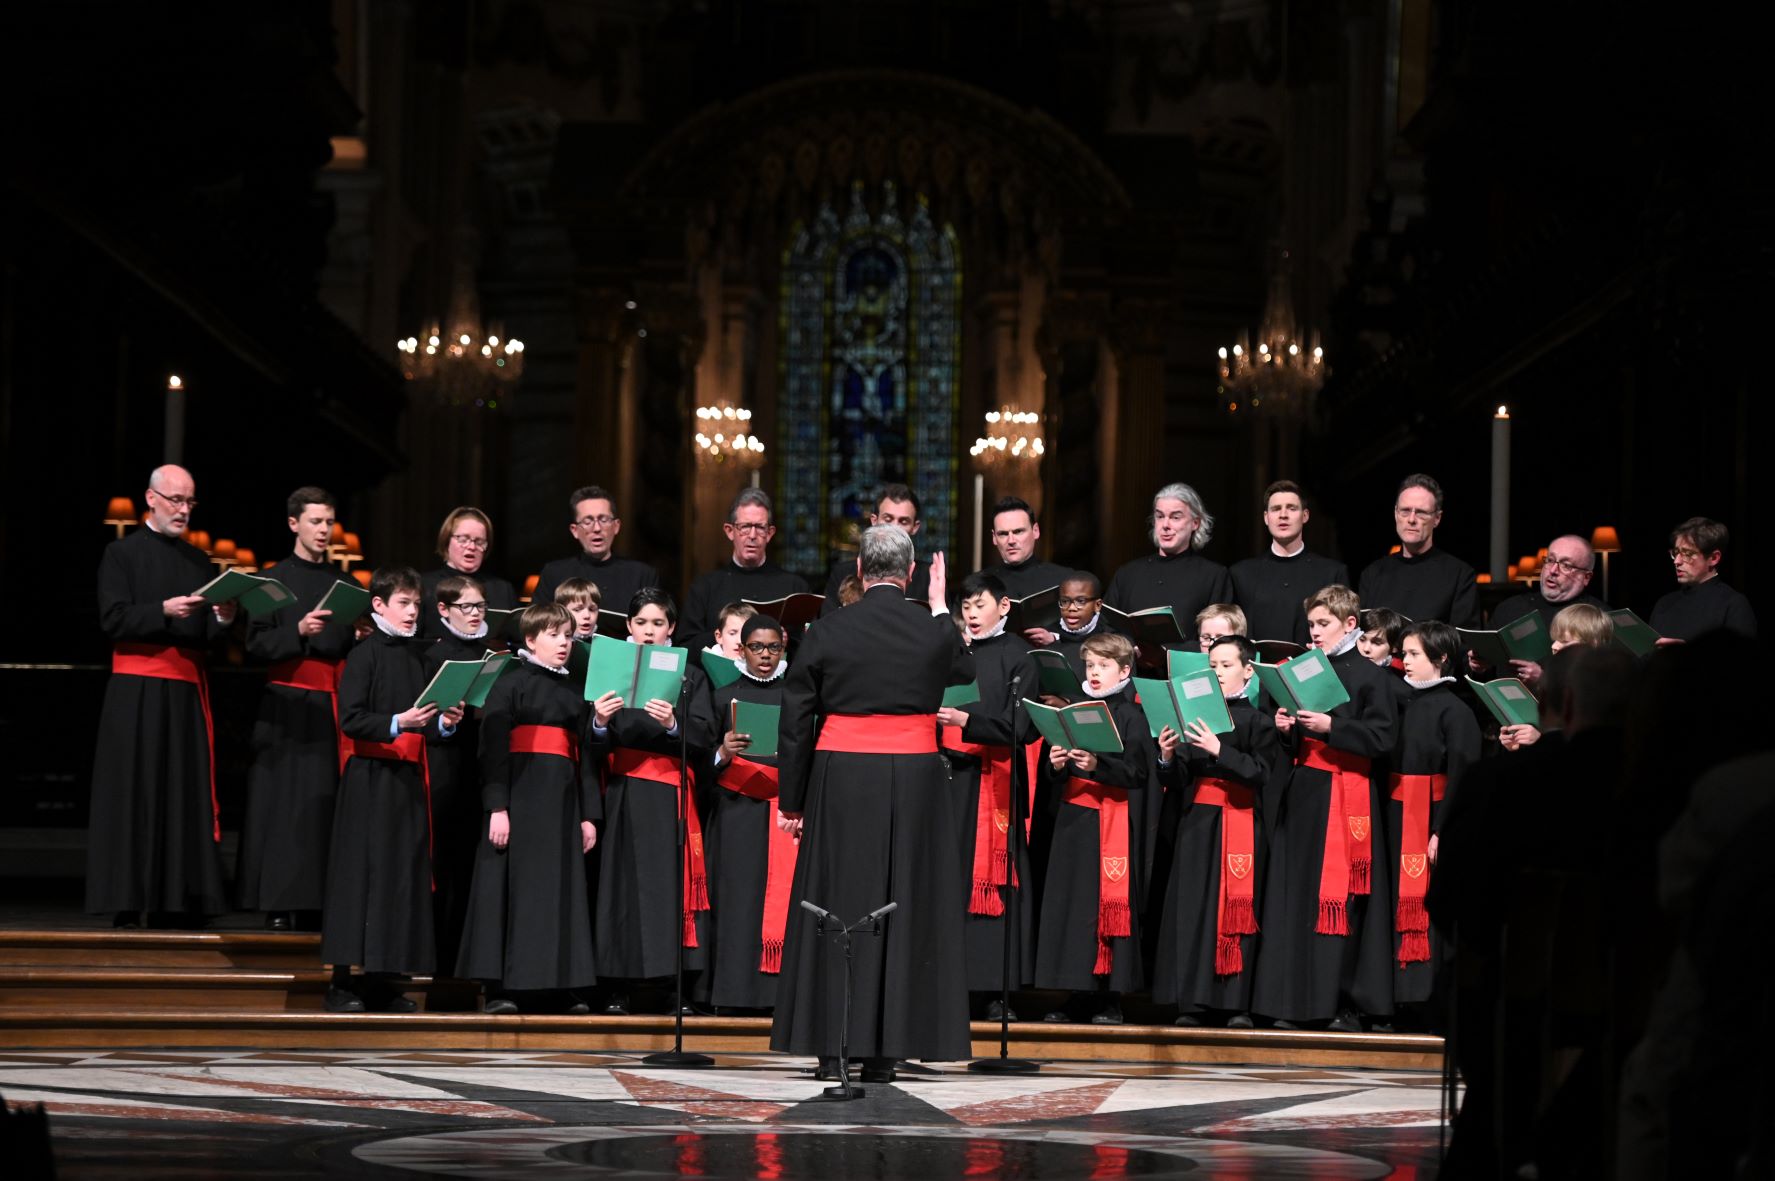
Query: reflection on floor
x,y
198,1114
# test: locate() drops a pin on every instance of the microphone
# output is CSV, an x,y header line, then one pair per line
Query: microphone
x,y
873,915
825,914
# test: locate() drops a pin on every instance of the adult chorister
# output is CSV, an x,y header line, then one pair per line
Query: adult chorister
x,y
748,573
1175,575
594,524
1421,581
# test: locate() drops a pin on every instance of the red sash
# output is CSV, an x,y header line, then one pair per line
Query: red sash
x,y
408,748
992,824
1415,793
1115,915
545,740
317,674
168,663
666,770
1237,909
759,782
1349,833
879,734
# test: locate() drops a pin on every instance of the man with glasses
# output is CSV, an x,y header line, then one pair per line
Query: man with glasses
x,y
1420,581
748,574
153,840
895,504
463,541
594,524
1272,586
1701,602
1565,580
1176,575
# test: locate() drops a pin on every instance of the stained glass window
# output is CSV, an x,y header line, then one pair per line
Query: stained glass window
x,y
870,353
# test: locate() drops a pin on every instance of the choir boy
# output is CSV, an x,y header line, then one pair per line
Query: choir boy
x,y
378,900
1217,621
1381,631
1319,960
529,929
751,847
730,625
582,598
1081,617
459,604
1207,944
637,932
1089,940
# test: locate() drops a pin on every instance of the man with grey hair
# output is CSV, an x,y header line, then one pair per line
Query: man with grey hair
x,y
748,574
1420,581
1176,576
858,767
1565,580
153,840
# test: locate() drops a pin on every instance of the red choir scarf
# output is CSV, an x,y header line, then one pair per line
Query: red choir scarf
x,y
1349,833
1115,915
992,823
1237,910
759,782
1415,794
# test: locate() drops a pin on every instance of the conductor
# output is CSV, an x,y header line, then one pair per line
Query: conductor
x,y
859,766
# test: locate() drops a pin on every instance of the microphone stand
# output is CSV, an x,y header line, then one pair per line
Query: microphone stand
x,y
677,1055
845,1090
1004,1063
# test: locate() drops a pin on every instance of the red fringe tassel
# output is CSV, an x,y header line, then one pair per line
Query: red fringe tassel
x,y
1114,918
1239,918
1106,959
985,899
1359,870
770,959
1229,957
1334,919
1414,947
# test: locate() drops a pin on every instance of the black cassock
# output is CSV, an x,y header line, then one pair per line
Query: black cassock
x,y
458,825
499,594
152,841
295,772
1301,974
996,661
636,931
918,587
1516,606
730,583
1189,920
1436,585
739,861
529,925
1069,643
617,579
378,907
1690,612
1066,945
1024,578
1438,736
1185,582
879,828
1270,590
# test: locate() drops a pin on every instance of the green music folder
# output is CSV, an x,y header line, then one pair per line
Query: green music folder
x,y
347,601
256,595
450,685
1520,639
1307,682
722,670
505,623
957,696
758,721
1084,725
1056,675
638,673
1509,701
1179,701
493,666
1180,662
1634,633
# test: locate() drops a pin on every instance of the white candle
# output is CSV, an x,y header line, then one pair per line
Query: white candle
x,y
173,447
1500,494
979,511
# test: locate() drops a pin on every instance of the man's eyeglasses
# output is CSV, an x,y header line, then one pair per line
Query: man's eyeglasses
x,y
758,649
184,502
469,541
604,522
1080,601
752,528
1567,565
471,608
1416,514
1684,554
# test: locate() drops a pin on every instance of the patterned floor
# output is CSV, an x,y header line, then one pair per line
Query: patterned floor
x,y
204,1114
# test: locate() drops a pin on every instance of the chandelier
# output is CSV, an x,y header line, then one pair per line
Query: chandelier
x,y
723,436
1012,435
1281,375
462,364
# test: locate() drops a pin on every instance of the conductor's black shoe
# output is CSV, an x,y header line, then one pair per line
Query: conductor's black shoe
x,y
878,1070
340,1000
1110,1014
1345,1022
617,1005
996,1011
499,1006
278,920
1240,1021
826,1070
1188,1021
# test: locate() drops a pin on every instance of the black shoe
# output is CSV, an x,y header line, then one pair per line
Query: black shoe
x,y
1110,1014
1345,1022
1241,1021
340,1000
1380,1026
1281,1024
1188,1021
577,1008
996,1011
617,1005
499,1006
826,1070
278,920
394,1002
1057,1017
878,1070
126,920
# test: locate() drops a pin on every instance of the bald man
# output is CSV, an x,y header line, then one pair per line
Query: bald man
x,y
152,847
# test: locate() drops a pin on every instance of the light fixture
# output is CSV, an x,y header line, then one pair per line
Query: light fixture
x,y
723,435
1283,372
461,363
120,513
1605,541
1012,435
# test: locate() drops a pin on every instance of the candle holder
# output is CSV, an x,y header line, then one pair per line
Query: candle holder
x,y
1605,541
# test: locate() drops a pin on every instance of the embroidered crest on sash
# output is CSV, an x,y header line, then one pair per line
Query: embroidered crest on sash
x,y
1413,864
1115,868
1359,827
1238,864
1002,819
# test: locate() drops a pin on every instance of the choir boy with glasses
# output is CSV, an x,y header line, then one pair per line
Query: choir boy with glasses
x,y
459,604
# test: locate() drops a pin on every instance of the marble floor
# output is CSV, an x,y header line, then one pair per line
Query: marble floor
x,y
211,1114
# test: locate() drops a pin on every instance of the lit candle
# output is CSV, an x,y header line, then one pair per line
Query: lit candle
x,y
979,513
1500,493
173,447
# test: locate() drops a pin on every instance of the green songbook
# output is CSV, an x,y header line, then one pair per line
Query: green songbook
x,y
1276,651
1308,682
1042,609
722,670
1180,662
505,623
1520,639
1509,701
758,722
1634,633
637,673
493,666
1152,630
257,596
957,696
347,601
1084,725
1056,675
1182,700
456,680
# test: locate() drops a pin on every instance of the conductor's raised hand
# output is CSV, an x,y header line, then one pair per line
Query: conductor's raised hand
x,y
605,707
499,828
417,718
939,591
588,836
312,623
661,712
